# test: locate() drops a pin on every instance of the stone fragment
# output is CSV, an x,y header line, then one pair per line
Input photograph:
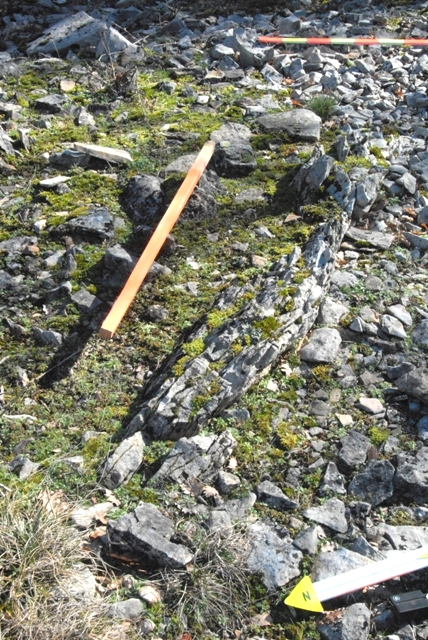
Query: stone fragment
x,y
227,482
68,159
361,546
120,466
411,476
322,347
111,41
352,623
143,199
333,481
301,124
238,509
197,457
130,609
375,239
47,337
414,383
418,242
420,333
145,533
400,312
103,153
307,540
406,537
331,311
274,557
370,405
354,450
250,53
85,301
51,183
232,132
332,563
392,326
6,144
85,518
330,514
374,483
52,103
23,467
233,160
272,495
96,226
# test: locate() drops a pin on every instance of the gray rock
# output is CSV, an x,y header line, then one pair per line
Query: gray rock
x,y
400,312
354,450
118,264
218,520
288,25
330,514
119,467
323,346
130,609
198,457
352,623
6,143
144,533
332,563
52,103
78,30
47,337
96,226
419,242
85,301
227,482
143,199
234,160
411,476
232,132
420,333
367,191
23,467
307,540
301,124
406,538
250,53
274,557
69,159
422,427
374,483
361,546
392,326
373,238
331,311
272,495
414,383
370,405
84,118
238,509
333,481
344,279
111,42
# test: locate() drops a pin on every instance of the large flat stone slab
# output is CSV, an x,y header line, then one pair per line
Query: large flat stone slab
x,y
301,124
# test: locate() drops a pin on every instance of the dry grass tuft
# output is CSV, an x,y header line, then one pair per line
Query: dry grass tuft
x,y
43,570
213,593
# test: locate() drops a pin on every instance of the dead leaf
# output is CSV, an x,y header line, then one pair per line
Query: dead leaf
x,y
111,497
99,531
262,620
55,502
233,463
292,218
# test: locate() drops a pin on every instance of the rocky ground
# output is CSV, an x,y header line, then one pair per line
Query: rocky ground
x,y
261,413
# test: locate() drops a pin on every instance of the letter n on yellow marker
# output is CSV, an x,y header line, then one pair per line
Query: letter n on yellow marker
x,y
304,596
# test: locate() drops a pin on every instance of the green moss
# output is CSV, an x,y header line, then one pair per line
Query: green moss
x,y
194,348
378,436
217,317
268,326
322,372
287,436
302,275
288,291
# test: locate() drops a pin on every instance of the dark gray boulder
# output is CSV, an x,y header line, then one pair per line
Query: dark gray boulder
x,y
411,477
415,383
145,534
94,227
143,199
374,483
354,451
234,160
272,495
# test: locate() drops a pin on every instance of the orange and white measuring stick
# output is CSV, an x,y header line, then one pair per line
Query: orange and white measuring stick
x,y
156,242
309,595
383,42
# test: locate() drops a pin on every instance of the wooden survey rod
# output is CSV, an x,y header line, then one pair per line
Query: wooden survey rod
x,y
156,242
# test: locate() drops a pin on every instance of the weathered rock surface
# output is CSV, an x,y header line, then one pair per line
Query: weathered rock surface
x,y
123,463
331,514
299,123
352,623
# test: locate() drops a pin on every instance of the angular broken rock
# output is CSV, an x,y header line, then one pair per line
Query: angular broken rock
x,y
373,238
274,557
330,514
144,534
79,30
374,483
354,450
414,383
322,347
411,476
272,495
351,623
123,463
198,457
301,124
332,563
104,153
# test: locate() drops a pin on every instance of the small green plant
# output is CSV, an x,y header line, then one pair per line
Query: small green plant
x,y
378,436
286,436
322,105
268,326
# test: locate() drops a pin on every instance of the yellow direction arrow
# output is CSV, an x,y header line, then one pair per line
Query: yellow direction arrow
x,y
304,596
